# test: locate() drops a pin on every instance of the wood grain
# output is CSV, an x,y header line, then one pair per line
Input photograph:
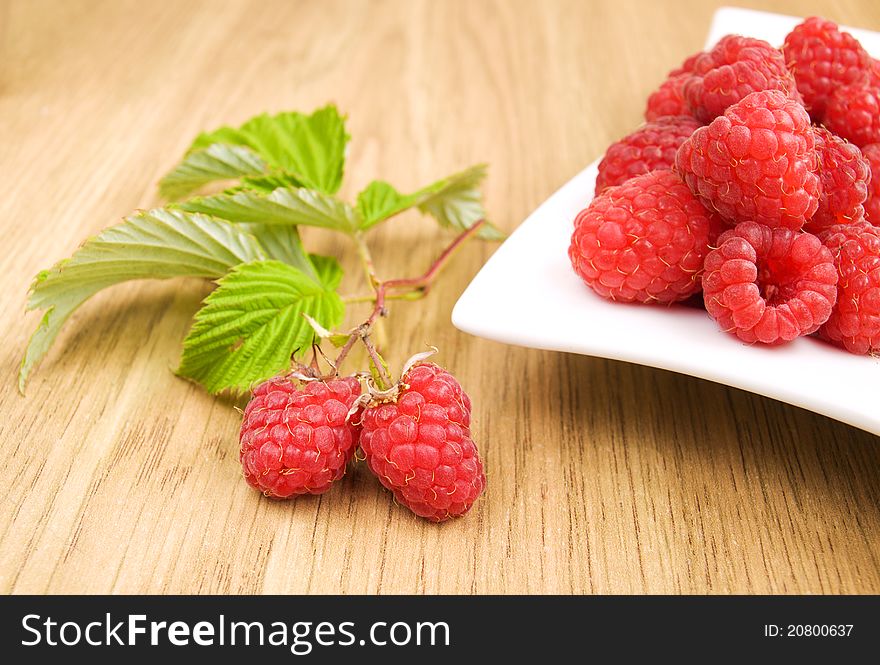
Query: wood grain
x,y
603,476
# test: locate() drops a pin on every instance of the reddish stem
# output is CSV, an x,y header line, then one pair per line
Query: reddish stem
x,y
424,281
356,334
378,363
421,283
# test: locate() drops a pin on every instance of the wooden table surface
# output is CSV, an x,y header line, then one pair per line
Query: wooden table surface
x,y
604,477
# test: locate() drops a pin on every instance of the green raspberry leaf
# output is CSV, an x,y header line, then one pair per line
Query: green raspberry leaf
x,y
252,324
455,202
329,275
302,150
288,206
265,183
282,243
379,201
156,244
205,165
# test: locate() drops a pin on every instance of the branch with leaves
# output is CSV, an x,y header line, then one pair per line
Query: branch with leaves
x,y
272,297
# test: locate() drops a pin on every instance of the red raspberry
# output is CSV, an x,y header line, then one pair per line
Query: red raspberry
x,y
735,67
844,175
419,445
652,146
757,162
871,153
853,113
822,59
769,285
643,241
874,73
298,440
855,320
668,99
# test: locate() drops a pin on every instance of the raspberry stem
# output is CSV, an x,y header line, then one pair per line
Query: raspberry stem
x,y
369,267
416,294
356,334
380,367
424,282
366,259
412,288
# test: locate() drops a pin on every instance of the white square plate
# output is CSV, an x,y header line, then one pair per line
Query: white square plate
x,y
564,315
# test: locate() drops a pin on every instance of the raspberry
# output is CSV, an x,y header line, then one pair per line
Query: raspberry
x,y
668,99
756,162
298,440
652,146
643,241
871,153
844,175
855,320
419,445
853,113
735,67
874,73
769,285
823,59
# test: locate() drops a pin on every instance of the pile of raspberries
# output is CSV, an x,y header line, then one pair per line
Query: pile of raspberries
x,y
756,181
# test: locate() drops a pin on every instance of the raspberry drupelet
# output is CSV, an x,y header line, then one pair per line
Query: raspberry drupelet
x,y
643,241
757,162
418,443
298,439
854,323
769,285
652,146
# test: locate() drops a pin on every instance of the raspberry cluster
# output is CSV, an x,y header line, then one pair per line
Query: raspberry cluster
x,y
855,321
733,69
871,153
837,78
652,146
298,435
844,174
298,440
780,147
823,59
644,241
419,445
757,162
668,99
769,285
